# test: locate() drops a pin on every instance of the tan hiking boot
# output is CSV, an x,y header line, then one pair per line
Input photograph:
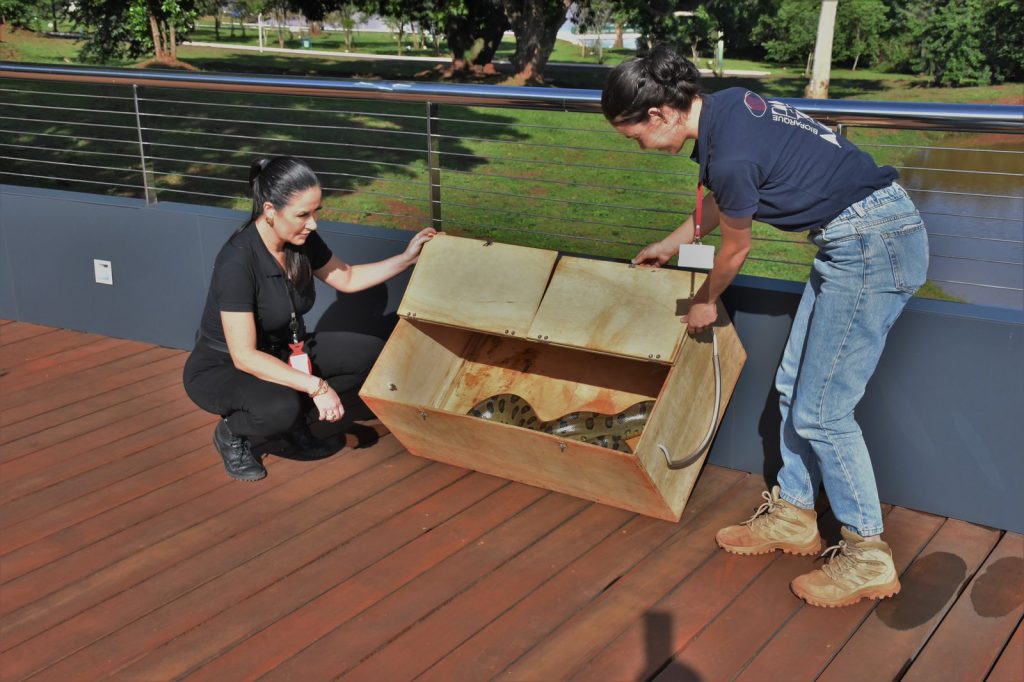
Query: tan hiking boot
x,y
858,568
775,525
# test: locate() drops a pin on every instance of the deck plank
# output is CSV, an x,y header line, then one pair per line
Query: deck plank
x,y
94,429
392,522
355,639
521,627
292,633
65,415
52,623
41,345
1010,666
19,331
245,564
431,638
60,390
362,504
898,628
127,552
971,637
112,483
67,460
583,635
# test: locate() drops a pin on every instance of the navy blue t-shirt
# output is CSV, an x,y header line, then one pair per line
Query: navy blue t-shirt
x,y
765,159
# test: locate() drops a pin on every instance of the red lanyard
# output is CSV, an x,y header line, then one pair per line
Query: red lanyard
x,y
700,206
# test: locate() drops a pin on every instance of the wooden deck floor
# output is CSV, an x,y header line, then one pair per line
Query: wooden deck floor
x,y
127,552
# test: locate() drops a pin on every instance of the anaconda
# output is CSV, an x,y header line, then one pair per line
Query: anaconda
x,y
605,430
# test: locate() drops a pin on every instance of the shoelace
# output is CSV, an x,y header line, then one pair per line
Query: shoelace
x,y
767,507
840,559
242,449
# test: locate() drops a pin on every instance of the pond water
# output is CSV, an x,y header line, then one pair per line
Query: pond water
x,y
971,195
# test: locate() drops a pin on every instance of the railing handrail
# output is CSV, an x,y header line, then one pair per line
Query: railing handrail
x,y
1002,118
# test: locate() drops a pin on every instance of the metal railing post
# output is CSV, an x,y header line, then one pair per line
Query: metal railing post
x,y
150,196
434,165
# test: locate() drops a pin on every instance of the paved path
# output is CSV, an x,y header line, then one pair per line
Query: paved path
x,y
430,60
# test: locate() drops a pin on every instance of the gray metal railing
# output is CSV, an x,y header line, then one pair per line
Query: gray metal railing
x,y
527,165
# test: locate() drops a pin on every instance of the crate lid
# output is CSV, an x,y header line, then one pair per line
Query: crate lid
x,y
478,284
615,308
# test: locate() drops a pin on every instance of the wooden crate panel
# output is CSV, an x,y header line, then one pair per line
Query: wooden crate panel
x,y
614,308
531,457
480,285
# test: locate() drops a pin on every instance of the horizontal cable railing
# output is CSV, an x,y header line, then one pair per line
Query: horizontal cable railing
x,y
533,166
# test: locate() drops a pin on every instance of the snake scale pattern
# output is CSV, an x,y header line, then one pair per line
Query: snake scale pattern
x,y
606,430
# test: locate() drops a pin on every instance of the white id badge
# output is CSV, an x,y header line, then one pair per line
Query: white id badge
x,y
696,256
300,361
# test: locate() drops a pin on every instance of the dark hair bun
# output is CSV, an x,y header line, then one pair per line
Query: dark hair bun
x,y
668,68
659,79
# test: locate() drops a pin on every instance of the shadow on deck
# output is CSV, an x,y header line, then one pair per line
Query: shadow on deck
x,y
127,551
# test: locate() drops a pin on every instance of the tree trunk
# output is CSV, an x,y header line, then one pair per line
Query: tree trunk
x,y
171,41
817,88
535,24
158,45
474,38
216,26
314,28
618,36
279,16
855,60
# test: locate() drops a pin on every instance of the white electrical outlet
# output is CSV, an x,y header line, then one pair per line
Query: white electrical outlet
x,y
104,272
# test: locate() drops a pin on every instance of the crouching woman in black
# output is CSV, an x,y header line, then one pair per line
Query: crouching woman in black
x,y
248,366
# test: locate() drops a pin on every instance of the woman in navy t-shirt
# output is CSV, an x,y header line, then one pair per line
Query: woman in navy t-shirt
x,y
762,159
248,365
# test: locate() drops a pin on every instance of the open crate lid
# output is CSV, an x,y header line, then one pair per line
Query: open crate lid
x,y
614,308
475,284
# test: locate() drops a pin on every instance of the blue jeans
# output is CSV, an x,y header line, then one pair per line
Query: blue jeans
x,y
871,259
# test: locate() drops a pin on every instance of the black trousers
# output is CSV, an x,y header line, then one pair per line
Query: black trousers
x,y
254,407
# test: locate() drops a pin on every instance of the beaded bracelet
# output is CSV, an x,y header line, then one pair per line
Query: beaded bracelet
x,y
321,388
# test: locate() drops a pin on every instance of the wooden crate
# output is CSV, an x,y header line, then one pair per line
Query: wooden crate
x,y
566,334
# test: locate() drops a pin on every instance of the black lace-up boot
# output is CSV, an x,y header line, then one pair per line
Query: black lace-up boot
x,y
302,442
236,452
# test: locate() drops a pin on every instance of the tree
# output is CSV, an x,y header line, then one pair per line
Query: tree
x,y
952,44
686,26
1005,43
535,24
817,88
859,28
118,29
473,30
789,34
592,17
346,16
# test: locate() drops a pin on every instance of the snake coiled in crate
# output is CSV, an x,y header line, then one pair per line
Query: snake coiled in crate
x,y
605,430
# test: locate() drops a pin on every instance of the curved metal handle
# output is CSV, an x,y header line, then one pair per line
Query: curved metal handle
x,y
695,455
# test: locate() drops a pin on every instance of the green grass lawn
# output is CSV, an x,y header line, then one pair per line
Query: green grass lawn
x,y
550,179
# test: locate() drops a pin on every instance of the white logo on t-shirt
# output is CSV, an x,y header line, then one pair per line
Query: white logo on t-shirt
x,y
783,113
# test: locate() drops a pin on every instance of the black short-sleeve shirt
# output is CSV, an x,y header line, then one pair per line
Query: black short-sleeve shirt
x,y
763,158
246,278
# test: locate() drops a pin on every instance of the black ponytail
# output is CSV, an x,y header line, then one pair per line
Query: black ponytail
x,y
658,79
277,180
